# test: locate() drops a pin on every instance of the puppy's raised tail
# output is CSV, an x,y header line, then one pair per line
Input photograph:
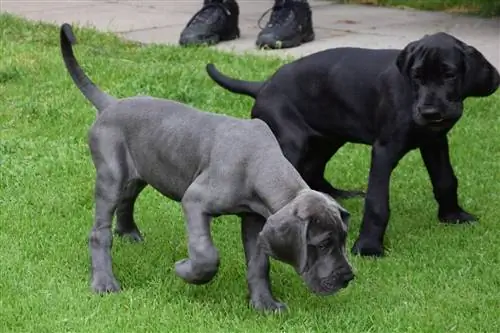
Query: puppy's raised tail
x,y
249,88
96,96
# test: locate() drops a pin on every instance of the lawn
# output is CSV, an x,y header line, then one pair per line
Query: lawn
x,y
435,278
486,8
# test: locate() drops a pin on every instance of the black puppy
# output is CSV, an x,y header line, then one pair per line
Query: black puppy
x,y
393,100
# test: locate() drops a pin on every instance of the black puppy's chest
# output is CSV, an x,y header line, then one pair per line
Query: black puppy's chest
x,y
420,136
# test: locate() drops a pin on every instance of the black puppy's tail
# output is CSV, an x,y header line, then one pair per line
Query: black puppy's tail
x,y
96,96
250,88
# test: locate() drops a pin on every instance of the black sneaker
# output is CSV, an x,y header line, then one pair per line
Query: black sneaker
x,y
290,25
216,21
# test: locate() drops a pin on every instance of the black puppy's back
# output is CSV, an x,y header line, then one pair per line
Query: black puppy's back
x,y
348,66
336,90
359,57
344,82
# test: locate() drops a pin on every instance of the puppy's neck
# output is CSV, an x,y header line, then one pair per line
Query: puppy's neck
x,y
281,190
277,205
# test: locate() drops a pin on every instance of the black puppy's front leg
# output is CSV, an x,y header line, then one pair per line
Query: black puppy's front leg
x,y
444,182
376,215
259,285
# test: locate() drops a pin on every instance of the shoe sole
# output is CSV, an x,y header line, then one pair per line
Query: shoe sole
x,y
210,40
234,35
276,45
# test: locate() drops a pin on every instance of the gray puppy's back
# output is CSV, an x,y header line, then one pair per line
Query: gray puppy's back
x,y
184,140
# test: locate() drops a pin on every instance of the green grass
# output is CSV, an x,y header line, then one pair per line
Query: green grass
x,y
435,278
486,8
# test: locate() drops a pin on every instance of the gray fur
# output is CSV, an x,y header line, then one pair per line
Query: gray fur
x,y
213,165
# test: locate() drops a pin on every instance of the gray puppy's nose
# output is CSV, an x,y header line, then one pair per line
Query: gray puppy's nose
x,y
347,277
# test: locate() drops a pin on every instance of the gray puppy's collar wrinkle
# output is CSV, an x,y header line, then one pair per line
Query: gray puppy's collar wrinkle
x,y
283,191
279,205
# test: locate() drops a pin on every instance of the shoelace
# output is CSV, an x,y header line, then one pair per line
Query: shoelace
x,y
204,13
279,14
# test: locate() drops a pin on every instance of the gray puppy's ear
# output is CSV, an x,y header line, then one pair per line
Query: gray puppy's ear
x,y
344,213
284,237
481,77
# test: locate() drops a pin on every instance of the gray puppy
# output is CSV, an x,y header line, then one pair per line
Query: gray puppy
x,y
213,165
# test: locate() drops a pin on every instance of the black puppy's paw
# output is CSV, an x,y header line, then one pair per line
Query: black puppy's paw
x,y
133,235
103,283
368,248
457,217
268,304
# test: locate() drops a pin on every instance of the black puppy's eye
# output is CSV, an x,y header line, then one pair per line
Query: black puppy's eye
x,y
449,75
416,75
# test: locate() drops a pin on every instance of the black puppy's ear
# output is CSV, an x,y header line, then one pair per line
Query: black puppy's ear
x,y
481,77
404,61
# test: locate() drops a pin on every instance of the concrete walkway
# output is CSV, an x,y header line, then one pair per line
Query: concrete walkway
x,y
161,21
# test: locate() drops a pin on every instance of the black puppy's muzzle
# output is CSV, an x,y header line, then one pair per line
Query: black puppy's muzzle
x,y
430,114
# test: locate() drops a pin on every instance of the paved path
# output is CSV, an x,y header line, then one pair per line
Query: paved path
x,y
161,21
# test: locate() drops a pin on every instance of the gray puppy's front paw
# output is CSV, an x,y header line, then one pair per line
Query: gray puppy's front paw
x,y
184,269
104,283
268,304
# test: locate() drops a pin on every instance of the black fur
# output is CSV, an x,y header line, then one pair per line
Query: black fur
x,y
393,100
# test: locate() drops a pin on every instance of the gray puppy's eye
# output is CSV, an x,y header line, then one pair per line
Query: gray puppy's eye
x,y
325,245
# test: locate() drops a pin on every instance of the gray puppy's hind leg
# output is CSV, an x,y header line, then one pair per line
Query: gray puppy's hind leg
x,y
203,262
125,223
110,179
259,285
101,238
